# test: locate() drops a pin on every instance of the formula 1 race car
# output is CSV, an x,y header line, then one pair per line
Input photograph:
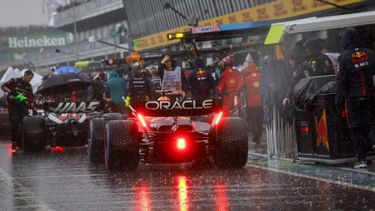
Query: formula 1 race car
x,y
63,114
164,132
58,128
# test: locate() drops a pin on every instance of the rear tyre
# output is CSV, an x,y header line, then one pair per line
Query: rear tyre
x,y
121,145
112,116
95,147
33,137
230,144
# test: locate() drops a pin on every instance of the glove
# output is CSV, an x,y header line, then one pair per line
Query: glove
x,y
127,101
19,97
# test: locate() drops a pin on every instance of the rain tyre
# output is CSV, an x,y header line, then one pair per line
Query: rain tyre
x,y
112,116
33,134
121,145
231,143
95,147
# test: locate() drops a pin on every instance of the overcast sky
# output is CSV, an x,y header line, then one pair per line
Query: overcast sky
x,y
22,13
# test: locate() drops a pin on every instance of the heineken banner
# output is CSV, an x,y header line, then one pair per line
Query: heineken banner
x,y
30,42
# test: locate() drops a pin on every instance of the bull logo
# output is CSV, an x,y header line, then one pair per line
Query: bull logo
x,y
360,59
358,54
322,132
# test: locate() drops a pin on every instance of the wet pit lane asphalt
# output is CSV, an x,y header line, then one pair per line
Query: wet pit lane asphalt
x,y
67,181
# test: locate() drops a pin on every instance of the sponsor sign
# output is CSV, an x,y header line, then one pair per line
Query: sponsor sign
x,y
185,105
179,108
205,29
35,42
72,107
270,11
28,42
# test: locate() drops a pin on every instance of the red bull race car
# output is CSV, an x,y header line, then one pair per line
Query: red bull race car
x,y
167,132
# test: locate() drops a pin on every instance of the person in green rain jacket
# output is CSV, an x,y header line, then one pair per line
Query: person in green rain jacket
x,y
116,88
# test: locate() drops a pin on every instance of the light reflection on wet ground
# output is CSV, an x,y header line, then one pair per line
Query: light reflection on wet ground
x,y
67,181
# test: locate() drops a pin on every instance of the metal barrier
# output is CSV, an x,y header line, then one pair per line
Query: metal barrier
x,y
281,138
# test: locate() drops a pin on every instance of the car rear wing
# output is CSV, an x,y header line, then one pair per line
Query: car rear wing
x,y
71,107
179,108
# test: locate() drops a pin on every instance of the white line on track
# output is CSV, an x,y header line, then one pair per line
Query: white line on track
x,y
11,182
311,177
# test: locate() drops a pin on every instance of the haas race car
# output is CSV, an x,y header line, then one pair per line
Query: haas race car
x,y
58,124
166,132
63,113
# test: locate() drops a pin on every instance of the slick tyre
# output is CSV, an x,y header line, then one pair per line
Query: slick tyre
x,y
33,137
230,144
121,145
95,147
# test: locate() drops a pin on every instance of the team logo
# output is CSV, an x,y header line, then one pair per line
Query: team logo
x,y
72,107
185,105
360,59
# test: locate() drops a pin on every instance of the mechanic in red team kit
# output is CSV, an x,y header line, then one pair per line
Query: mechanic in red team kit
x,y
228,85
254,110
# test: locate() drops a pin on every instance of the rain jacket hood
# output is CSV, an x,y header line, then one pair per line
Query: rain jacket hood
x,y
314,45
113,74
197,63
116,87
297,53
351,39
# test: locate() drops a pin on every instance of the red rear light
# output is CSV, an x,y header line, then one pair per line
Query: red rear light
x,y
217,118
58,149
305,129
181,144
142,120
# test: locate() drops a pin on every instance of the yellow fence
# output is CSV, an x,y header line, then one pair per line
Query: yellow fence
x,y
275,10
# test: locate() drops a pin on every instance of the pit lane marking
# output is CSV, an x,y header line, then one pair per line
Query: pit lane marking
x,y
364,171
311,177
25,192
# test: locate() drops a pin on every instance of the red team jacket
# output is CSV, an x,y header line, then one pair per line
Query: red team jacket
x,y
250,83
